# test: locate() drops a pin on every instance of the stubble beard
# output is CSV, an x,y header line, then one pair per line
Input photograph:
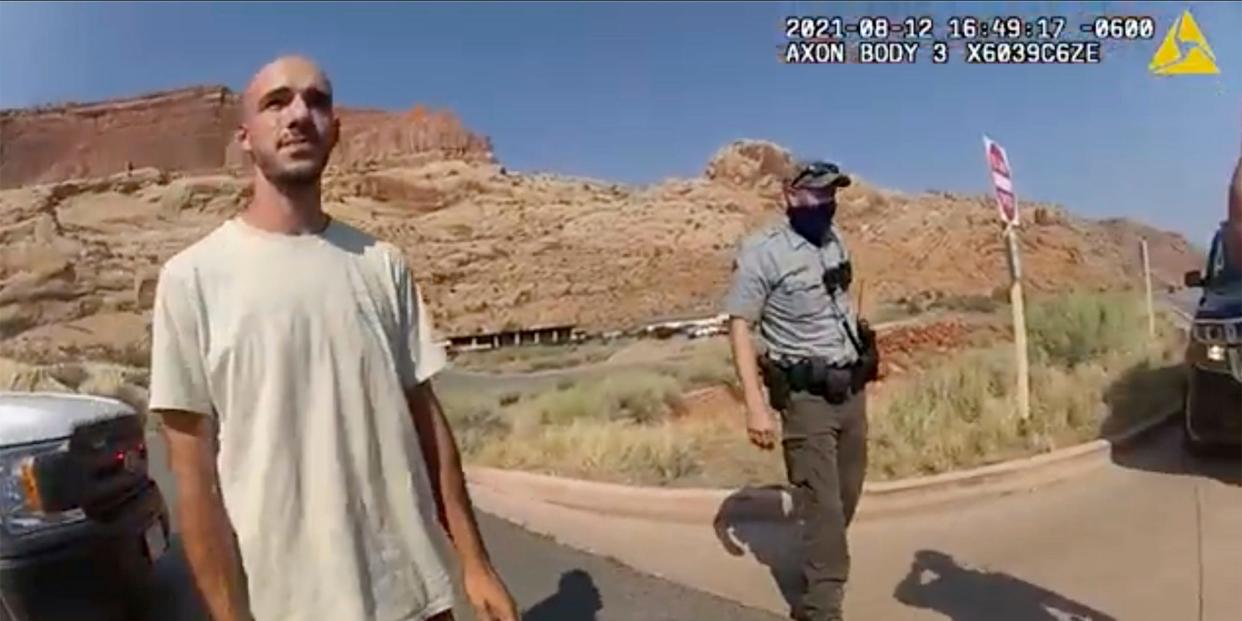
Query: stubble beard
x,y
296,176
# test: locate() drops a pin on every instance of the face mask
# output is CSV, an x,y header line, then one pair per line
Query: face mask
x,y
812,223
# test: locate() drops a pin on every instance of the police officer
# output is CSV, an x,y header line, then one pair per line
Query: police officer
x,y
793,281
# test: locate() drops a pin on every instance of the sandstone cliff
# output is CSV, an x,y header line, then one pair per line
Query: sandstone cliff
x,y
192,129
187,130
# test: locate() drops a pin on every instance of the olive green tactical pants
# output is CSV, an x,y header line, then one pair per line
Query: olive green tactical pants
x,y
825,450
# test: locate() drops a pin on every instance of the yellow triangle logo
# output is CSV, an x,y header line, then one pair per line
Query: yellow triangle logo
x,y
1171,60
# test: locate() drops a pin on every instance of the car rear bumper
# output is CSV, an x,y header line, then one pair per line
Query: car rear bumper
x,y
1214,408
92,573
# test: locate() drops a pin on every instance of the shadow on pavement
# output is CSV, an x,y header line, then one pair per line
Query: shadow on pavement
x,y
936,582
576,599
1133,397
740,522
1142,393
1163,453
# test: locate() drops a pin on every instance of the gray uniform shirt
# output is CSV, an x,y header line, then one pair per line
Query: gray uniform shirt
x,y
778,281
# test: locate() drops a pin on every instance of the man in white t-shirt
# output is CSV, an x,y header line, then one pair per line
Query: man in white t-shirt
x,y
290,363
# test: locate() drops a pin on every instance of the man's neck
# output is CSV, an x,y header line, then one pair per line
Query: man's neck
x,y
293,210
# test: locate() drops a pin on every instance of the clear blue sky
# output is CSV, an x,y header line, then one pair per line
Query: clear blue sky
x,y
638,92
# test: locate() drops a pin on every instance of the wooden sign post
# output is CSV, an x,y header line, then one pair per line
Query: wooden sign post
x,y
1007,204
1151,309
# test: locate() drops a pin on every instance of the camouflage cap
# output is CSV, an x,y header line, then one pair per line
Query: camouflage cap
x,y
818,175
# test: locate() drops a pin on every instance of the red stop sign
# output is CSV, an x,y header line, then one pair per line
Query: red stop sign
x,y
1002,181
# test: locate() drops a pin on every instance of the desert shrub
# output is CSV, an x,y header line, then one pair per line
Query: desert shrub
x,y
937,419
528,358
638,395
707,363
476,418
963,412
1073,329
615,450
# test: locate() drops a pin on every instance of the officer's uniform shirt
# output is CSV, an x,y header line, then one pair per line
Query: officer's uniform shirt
x,y
778,281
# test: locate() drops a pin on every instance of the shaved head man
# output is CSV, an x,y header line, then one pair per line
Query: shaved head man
x,y
288,127
291,361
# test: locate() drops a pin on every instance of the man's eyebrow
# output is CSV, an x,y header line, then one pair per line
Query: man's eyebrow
x,y
285,91
282,91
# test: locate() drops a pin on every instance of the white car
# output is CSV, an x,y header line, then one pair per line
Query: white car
x,y
81,522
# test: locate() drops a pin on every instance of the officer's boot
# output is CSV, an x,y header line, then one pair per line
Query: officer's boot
x,y
832,598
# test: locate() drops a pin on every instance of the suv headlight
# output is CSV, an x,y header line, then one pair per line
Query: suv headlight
x,y
24,502
1207,357
1217,332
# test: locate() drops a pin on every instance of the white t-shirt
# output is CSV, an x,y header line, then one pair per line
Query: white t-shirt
x,y
301,346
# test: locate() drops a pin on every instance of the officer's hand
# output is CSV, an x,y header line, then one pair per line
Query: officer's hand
x,y
760,428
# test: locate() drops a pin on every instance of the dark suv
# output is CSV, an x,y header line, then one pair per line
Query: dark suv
x,y
81,522
1214,355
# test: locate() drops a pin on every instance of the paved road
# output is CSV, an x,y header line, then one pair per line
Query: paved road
x,y
1152,536
550,582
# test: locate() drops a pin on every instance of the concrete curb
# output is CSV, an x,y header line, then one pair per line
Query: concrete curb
x,y
773,503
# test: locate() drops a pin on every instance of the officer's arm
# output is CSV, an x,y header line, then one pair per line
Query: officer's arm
x,y
744,362
748,293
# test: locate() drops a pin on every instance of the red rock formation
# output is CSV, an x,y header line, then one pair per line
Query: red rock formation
x,y
378,136
186,129
192,130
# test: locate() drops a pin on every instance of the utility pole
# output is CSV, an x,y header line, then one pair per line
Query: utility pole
x,y
1151,309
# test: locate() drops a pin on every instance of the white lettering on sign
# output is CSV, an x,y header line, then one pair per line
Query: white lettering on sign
x,y
1002,181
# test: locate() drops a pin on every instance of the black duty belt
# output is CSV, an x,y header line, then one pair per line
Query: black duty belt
x,y
834,382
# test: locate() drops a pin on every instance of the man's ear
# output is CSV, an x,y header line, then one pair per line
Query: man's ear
x,y
243,138
335,132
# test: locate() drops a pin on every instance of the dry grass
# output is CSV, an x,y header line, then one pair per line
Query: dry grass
x,y
1093,371
634,396
700,363
1093,368
611,450
529,358
617,427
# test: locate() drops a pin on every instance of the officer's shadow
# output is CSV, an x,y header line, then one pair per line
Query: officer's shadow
x,y
936,582
576,599
744,522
